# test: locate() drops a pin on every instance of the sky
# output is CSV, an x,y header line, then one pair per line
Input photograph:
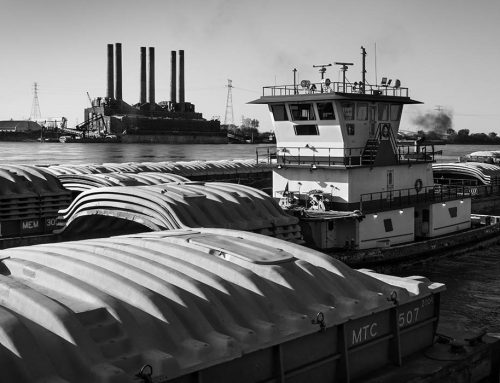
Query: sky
x,y
445,51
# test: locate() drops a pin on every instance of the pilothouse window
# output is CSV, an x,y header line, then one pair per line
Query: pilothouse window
x,y
301,112
396,112
383,112
325,111
348,110
306,130
362,111
279,112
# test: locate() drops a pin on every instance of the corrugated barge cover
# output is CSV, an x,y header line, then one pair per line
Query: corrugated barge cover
x,y
80,182
183,168
192,301
25,180
488,174
30,199
178,206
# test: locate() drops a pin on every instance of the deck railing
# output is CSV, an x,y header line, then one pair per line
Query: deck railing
x,y
401,198
334,87
335,156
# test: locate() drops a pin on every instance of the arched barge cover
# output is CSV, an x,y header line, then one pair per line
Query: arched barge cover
x,y
484,173
81,182
30,199
177,206
183,168
203,304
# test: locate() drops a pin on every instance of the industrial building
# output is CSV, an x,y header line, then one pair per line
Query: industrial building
x,y
174,121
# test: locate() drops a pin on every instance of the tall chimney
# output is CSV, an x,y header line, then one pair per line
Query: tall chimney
x,y
181,76
173,75
109,93
118,53
143,75
151,77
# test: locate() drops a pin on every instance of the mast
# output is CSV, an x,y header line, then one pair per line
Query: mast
x,y
363,71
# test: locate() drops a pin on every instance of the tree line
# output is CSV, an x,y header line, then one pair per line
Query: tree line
x,y
463,136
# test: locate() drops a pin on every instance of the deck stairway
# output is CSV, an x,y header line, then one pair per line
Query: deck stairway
x,y
370,151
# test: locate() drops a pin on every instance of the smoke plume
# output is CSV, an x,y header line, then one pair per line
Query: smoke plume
x,y
438,122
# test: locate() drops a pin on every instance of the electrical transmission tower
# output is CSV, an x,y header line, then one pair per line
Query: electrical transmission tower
x,y
35,108
229,117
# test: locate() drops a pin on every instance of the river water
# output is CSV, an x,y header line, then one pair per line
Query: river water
x,y
472,299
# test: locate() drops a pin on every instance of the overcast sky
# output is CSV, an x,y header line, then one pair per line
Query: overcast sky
x,y
445,51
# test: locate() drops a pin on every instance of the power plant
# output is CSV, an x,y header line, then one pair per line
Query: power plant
x,y
174,121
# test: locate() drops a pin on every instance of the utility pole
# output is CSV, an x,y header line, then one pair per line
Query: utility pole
x,y
35,108
229,116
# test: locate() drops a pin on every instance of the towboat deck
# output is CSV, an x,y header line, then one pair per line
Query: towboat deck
x,y
341,89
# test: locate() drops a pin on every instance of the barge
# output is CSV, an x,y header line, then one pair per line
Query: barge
x,y
210,305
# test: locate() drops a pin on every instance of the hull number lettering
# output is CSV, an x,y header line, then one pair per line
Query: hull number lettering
x,y
30,225
364,333
49,222
408,317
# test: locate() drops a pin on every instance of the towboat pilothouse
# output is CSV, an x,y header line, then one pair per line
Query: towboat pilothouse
x,y
339,166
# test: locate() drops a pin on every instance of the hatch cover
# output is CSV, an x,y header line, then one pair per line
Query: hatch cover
x,y
242,249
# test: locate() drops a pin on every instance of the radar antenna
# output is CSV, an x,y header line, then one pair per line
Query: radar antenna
x,y
322,70
343,69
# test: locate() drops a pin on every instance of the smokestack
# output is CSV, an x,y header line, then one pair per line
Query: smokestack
x,y
143,75
151,76
111,80
173,79
181,76
118,91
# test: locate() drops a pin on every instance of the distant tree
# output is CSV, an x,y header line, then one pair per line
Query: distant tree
x,y
479,138
432,135
492,135
463,132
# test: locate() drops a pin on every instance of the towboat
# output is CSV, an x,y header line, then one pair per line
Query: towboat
x,y
339,167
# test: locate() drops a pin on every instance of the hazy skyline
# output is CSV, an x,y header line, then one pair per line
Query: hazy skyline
x,y
444,51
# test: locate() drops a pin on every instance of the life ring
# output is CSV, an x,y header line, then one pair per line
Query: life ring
x,y
418,185
385,130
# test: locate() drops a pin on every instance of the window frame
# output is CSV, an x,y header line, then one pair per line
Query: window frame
x,y
381,108
311,111
319,113
287,118
303,127
400,110
358,108
345,105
